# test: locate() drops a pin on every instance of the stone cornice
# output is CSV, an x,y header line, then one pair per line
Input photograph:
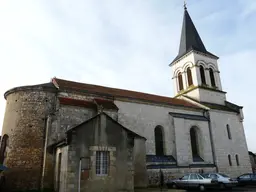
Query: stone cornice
x,y
191,88
192,51
40,87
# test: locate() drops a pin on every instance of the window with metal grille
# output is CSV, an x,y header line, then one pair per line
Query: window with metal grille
x,y
102,163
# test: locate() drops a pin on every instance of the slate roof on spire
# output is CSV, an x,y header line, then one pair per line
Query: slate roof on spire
x,y
190,39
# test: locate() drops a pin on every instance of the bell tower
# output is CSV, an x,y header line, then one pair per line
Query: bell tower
x,y
195,71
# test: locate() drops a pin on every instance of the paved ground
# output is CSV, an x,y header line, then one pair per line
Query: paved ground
x,y
237,189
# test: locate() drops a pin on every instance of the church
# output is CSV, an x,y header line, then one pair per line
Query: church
x,y
72,136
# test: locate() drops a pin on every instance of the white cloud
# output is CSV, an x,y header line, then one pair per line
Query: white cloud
x,y
248,8
124,44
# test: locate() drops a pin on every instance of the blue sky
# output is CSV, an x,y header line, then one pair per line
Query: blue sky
x,y
125,44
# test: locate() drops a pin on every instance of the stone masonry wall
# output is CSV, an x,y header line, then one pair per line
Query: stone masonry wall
x,y
143,118
24,123
84,143
139,159
66,118
60,176
235,146
183,141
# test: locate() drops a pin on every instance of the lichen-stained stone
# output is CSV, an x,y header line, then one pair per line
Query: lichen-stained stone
x,y
24,123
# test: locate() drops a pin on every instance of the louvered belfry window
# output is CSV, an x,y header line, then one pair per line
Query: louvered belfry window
x,y
180,81
189,76
212,77
202,74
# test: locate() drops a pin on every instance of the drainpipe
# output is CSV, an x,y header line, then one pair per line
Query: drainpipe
x,y
79,175
207,116
48,120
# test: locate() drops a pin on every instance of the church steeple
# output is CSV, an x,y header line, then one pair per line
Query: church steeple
x,y
190,39
195,71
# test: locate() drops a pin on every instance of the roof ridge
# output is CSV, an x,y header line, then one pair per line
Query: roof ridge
x,y
93,117
116,88
121,93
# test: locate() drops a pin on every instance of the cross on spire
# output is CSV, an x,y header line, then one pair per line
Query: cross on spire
x,y
185,5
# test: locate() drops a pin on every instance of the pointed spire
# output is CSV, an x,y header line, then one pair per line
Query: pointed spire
x,y
189,35
190,39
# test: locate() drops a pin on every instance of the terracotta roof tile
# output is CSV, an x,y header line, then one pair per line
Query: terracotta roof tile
x,y
96,89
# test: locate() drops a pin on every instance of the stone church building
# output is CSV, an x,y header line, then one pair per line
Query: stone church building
x,y
74,136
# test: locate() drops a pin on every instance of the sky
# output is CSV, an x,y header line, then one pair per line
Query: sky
x,y
125,44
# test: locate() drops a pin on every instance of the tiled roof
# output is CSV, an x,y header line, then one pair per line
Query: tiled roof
x,y
227,107
121,93
252,154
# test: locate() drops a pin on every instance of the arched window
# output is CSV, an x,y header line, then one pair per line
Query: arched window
x,y
4,144
194,142
212,78
229,160
180,81
159,143
237,160
228,131
189,76
202,74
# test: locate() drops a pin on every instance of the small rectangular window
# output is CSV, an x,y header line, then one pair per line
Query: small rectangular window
x,y
228,131
237,160
229,159
102,163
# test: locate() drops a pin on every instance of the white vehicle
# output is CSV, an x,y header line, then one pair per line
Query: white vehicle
x,y
192,180
223,180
